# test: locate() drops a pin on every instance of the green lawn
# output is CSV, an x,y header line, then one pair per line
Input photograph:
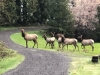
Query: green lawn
x,y
81,61
17,38
9,59
84,66
10,62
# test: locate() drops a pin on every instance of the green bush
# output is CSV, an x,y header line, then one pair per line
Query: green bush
x,y
5,52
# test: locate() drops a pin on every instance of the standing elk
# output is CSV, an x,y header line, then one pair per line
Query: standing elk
x,y
53,38
59,39
29,37
69,41
86,42
49,40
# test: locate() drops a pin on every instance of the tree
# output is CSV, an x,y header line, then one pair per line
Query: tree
x,y
9,11
41,13
60,16
28,7
98,13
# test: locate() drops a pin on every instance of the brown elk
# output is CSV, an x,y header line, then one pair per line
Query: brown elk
x,y
69,41
29,37
59,39
49,40
86,42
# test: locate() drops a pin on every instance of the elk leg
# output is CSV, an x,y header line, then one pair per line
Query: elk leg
x,y
63,46
77,47
34,43
52,45
84,48
46,45
59,45
26,44
81,46
92,47
67,47
37,45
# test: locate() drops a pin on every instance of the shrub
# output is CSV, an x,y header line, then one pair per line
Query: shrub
x,y
5,52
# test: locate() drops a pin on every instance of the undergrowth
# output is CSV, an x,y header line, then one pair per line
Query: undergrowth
x,y
5,52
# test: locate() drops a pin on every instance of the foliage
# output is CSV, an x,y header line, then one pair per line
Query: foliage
x,y
28,8
41,13
4,52
60,17
86,33
98,13
55,13
9,12
91,29
9,63
9,59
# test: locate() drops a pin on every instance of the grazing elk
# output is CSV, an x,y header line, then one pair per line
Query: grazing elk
x,y
29,37
49,40
69,41
86,42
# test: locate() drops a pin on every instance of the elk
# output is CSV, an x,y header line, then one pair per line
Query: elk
x,y
59,39
86,42
49,40
29,37
69,41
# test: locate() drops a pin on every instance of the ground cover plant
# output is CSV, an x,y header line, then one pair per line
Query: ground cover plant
x,y
9,59
81,61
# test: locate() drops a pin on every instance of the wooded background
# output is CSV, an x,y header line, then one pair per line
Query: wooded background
x,y
71,17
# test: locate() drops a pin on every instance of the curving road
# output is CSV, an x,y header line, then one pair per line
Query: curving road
x,y
37,62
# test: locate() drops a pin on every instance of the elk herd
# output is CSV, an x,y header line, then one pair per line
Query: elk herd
x,y
61,39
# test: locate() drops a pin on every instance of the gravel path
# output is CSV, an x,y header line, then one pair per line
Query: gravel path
x,y
37,62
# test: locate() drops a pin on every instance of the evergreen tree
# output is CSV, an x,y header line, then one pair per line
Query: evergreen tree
x,y
9,12
41,13
29,7
60,16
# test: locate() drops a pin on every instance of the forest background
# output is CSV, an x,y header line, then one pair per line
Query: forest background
x,y
70,17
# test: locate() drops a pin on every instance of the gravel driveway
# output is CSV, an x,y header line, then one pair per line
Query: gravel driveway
x,y
37,62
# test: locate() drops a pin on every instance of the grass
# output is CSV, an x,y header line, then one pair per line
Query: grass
x,y
17,38
9,59
84,66
10,63
81,61
4,28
